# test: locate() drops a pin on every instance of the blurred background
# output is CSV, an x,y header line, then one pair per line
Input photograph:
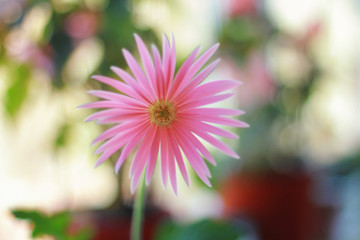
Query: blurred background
x,y
299,173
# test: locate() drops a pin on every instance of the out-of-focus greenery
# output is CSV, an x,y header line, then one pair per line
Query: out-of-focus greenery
x,y
56,225
205,229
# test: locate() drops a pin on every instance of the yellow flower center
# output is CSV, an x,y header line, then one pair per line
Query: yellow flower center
x,y
162,113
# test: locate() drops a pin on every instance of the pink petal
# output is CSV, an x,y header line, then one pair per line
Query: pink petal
x,y
194,158
201,126
214,111
113,131
166,62
111,146
217,143
153,156
145,57
112,104
159,82
141,156
216,87
129,148
172,59
172,169
117,85
117,97
164,157
122,137
196,143
143,151
195,82
223,121
139,89
181,73
138,72
199,63
117,114
124,118
205,100
178,157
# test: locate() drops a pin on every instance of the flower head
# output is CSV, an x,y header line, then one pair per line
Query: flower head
x,y
157,112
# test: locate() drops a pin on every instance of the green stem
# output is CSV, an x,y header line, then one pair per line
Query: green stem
x,y
137,216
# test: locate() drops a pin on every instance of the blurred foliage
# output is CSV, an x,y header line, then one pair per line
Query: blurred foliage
x,y
206,229
243,35
56,225
17,91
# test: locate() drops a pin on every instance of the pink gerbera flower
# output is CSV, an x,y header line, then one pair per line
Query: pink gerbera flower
x,y
159,112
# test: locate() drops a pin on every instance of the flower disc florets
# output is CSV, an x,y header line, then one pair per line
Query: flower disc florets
x,y
162,113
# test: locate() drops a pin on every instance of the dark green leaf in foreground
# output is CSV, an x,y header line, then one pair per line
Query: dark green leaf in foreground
x,y
201,230
55,225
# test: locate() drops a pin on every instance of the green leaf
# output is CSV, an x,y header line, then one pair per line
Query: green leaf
x,y
17,92
202,230
55,225
62,135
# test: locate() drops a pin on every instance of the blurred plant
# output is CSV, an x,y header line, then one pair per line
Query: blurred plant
x,y
278,72
56,225
206,229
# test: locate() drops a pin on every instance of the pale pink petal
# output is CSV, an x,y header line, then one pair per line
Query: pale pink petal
x,y
201,126
193,156
211,88
222,120
138,72
218,144
117,85
115,113
178,157
214,111
153,156
110,147
122,137
117,97
172,59
129,148
172,169
138,88
186,91
145,57
164,157
181,73
143,152
123,118
113,131
166,62
113,104
196,143
141,156
159,82
205,100
199,63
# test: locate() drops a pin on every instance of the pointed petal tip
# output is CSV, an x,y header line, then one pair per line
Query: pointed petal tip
x,y
95,77
207,182
133,188
147,182
114,68
97,164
